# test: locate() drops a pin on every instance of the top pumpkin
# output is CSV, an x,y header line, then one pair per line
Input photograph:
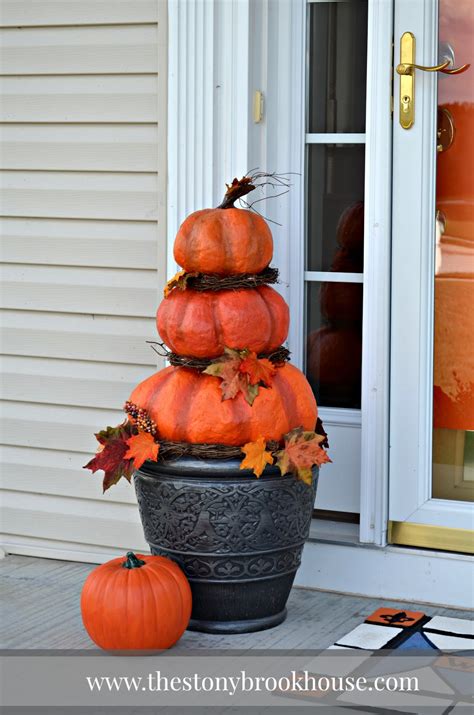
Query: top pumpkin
x,y
225,240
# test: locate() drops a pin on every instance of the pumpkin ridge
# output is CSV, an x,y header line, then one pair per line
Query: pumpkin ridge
x,y
225,242
181,318
167,626
184,616
157,389
289,401
181,416
269,313
216,321
156,601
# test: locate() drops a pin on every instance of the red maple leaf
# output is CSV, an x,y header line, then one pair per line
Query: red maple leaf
x,y
111,459
111,455
141,447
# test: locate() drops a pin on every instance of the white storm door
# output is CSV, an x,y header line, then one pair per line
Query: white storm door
x,y
432,343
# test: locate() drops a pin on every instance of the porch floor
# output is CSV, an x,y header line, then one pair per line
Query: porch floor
x,y
40,609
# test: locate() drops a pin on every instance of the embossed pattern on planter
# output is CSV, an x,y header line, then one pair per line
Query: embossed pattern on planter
x,y
231,518
235,567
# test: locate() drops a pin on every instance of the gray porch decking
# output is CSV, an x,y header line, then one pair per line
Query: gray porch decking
x,y
40,610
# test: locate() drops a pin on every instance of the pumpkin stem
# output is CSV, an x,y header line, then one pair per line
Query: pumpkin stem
x,y
132,562
235,190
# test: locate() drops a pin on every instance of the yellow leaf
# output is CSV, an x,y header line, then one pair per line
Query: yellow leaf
x,y
256,457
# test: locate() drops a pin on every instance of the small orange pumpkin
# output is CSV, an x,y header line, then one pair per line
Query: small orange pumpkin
x,y
203,324
140,603
225,240
187,406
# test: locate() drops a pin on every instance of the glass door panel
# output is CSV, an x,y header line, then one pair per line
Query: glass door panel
x,y
432,321
453,376
334,234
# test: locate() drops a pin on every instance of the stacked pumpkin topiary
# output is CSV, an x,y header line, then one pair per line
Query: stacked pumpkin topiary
x,y
228,409
219,314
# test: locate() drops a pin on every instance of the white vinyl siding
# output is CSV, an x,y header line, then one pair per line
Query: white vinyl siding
x,y
83,164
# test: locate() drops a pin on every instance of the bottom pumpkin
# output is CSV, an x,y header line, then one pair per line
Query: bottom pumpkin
x,y
187,406
136,603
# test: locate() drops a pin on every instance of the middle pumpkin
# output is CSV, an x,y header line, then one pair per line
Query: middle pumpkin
x,y
202,324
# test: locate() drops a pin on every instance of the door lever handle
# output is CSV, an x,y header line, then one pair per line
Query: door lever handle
x,y
406,70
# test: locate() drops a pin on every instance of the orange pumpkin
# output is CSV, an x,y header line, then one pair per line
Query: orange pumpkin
x,y
203,324
136,603
226,241
187,406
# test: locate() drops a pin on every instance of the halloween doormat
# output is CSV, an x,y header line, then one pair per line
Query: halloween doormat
x,y
389,628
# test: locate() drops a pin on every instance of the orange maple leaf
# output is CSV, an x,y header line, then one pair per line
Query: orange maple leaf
x,y
302,451
227,368
256,457
258,370
141,447
241,371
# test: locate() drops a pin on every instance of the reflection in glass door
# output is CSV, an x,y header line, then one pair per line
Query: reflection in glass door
x,y
453,396
335,193
432,356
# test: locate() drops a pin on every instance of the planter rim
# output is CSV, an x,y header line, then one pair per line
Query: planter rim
x,y
207,468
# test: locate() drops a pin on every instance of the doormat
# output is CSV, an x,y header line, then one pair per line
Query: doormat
x,y
388,628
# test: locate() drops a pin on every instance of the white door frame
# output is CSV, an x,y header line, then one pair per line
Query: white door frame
x,y
214,127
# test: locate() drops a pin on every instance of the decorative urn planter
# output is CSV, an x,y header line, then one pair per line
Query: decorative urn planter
x,y
225,443
238,539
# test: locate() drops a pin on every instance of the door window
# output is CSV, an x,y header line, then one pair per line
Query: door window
x,y
335,157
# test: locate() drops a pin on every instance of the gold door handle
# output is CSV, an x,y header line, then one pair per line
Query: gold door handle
x,y
409,68
406,70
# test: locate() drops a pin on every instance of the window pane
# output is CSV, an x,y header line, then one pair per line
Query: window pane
x,y
334,343
453,374
337,66
335,196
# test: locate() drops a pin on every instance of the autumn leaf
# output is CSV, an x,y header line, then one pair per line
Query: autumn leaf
x,y
110,456
121,431
256,457
179,280
301,452
234,380
111,459
259,371
141,447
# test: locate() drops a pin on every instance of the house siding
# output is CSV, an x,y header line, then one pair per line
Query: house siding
x,y
84,250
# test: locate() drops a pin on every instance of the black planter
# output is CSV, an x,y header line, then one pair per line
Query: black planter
x,y
238,539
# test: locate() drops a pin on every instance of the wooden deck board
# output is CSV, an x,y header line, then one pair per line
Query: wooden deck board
x,y
40,609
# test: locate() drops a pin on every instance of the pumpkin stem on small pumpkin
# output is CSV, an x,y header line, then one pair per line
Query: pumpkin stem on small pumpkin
x,y
235,190
132,561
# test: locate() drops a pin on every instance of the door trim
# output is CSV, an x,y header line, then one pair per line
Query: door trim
x,y
377,268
